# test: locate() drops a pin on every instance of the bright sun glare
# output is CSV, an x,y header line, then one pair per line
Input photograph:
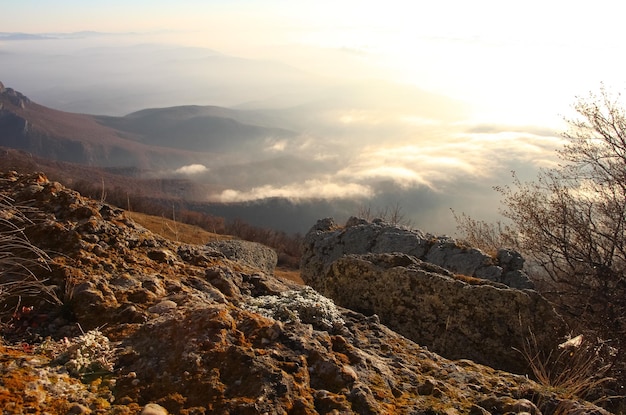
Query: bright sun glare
x,y
514,63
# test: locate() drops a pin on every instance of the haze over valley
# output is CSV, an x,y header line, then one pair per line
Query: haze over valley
x,y
292,126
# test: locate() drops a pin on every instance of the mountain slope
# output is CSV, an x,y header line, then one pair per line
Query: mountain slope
x,y
177,328
76,138
151,139
195,128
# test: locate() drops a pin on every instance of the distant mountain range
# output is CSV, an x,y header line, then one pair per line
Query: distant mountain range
x,y
152,139
195,128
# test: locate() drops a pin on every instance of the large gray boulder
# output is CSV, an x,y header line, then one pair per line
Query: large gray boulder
x,y
478,320
326,242
252,254
459,316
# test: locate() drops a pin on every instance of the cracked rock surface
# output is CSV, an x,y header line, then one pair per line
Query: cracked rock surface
x,y
416,284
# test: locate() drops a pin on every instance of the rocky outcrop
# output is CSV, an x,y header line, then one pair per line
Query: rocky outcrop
x,y
326,242
13,97
459,319
456,315
132,323
252,254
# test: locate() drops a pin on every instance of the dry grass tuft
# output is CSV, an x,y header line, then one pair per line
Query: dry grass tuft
x,y
576,370
18,260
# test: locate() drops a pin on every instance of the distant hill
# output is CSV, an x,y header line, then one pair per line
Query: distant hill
x,y
196,128
133,159
76,138
151,139
190,156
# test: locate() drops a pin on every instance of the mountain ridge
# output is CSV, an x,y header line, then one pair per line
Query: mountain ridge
x,y
146,139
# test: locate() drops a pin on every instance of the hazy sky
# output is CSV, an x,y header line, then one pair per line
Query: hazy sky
x,y
511,70
511,60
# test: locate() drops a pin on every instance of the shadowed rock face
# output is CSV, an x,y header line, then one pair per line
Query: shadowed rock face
x,y
459,317
184,329
13,96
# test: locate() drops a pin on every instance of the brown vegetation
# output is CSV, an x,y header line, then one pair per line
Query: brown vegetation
x,y
174,230
570,223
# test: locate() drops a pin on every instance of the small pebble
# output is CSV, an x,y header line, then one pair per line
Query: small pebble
x,y
78,409
153,409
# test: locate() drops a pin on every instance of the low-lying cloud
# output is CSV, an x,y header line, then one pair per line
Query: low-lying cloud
x,y
192,169
309,189
456,169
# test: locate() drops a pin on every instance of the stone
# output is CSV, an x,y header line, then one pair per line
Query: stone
x,y
153,409
510,260
326,242
459,320
455,299
162,255
164,306
253,254
79,409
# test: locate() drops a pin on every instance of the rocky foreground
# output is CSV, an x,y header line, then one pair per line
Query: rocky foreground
x,y
126,322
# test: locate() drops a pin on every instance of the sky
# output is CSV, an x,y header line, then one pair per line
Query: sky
x,y
530,57
504,74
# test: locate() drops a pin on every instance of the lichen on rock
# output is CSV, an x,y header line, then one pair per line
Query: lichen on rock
x,y
410,280
303,306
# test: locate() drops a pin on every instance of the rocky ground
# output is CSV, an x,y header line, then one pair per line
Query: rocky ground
x,y
123,321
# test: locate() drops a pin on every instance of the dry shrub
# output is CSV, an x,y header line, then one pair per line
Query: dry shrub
x,y
392,214
570,225
19,258
486,236
578,369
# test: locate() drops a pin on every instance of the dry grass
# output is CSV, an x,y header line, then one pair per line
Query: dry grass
x,y
289,274
488,237
474,280
175,231
19,259
574,371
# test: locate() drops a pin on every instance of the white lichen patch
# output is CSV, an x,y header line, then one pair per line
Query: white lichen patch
x,y
305,306
90,353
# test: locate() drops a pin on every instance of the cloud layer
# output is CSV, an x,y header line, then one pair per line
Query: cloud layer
x,y
361,141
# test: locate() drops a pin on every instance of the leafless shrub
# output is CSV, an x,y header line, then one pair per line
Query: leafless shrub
x,y
570,224
393,214
174,227
103,193
488,237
